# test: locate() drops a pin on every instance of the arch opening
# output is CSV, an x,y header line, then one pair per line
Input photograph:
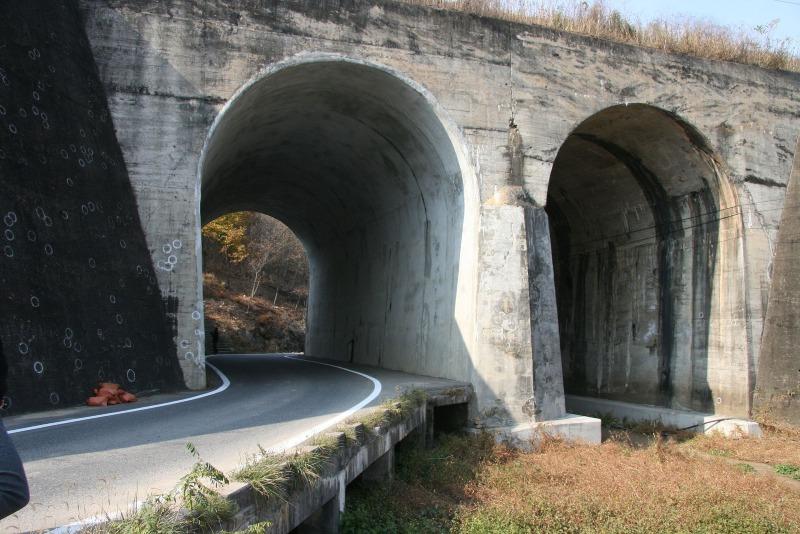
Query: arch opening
x,y
647,252
356,162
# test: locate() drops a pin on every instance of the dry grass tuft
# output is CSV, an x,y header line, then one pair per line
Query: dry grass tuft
x,y
274,475
683,36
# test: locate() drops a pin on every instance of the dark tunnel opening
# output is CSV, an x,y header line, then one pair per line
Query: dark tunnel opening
x,y
637,207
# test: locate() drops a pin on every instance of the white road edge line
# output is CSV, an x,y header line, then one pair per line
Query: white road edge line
x,y
220,389
316,429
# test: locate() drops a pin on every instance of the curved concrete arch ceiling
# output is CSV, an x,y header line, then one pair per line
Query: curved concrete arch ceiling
x,y
618,171
329,147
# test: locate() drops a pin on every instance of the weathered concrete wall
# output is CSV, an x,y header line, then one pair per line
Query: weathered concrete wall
x,y
80,301
508,97
778,381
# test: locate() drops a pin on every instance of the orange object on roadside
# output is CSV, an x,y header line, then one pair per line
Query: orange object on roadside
x,y
109,394
127,397
97,401
112,389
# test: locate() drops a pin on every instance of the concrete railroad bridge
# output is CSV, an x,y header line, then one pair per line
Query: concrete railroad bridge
x,y
534,212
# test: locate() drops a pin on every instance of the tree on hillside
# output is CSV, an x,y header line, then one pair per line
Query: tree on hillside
x,y
263,243
273,250
230,233
264,247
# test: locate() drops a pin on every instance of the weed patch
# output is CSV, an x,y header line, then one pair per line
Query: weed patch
x,y
266,473
391,412
788,470
745,468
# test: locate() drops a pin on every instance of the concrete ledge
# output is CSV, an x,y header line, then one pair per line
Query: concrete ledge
x,y
683,419
571,427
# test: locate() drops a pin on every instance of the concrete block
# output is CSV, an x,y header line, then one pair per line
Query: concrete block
x,y
575,428
731,427
682,419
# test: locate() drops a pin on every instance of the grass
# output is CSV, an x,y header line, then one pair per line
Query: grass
x,y
156,516
274,475
349,431
394,411
779,445
193,506
470,485
746,468
207,509
327,443
255,528
788,470
688,36
390,412
642,426
162,515
266,473
306,467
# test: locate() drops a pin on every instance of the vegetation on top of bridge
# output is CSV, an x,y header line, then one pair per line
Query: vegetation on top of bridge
x,y
690,36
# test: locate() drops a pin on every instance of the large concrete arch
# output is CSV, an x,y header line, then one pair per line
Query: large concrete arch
x,y
363,165
649,255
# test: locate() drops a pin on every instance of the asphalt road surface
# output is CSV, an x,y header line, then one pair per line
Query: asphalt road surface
x,y
102,465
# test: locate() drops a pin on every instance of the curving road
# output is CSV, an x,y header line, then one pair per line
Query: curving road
x,y
98,466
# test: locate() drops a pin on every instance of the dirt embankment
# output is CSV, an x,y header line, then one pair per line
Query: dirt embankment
x,y
262,323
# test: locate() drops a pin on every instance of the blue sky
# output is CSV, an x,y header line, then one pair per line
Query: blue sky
x,y
746,14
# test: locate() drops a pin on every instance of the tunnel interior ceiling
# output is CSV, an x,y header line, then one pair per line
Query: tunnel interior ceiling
x,y
355,161
636,212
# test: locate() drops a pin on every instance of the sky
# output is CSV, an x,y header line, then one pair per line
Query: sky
x,y
746,14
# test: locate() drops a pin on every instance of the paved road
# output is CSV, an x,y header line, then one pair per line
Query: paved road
x,y
99,466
